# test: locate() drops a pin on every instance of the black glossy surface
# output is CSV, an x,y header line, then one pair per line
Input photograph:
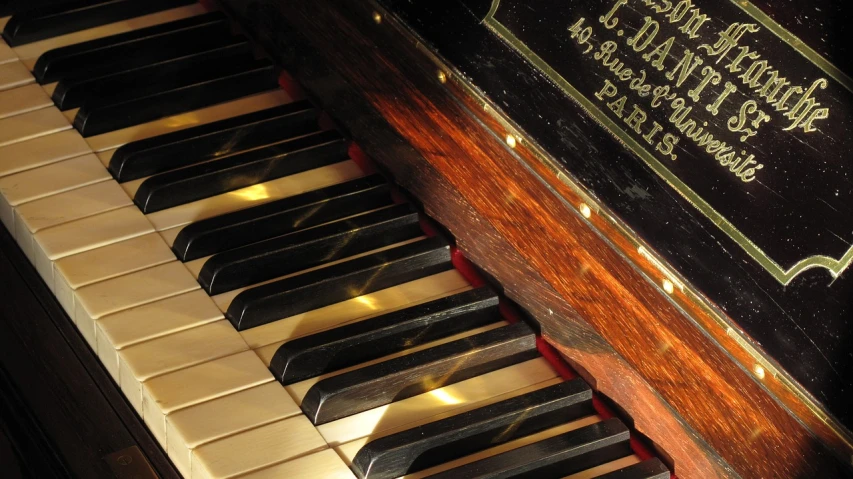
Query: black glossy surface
x,y
419,372
382,335
193,145
154,77
52,21
804,325
555,457
232,230
305,249
8,7
95,121
648,469
240,170
333,284
135,48
448,439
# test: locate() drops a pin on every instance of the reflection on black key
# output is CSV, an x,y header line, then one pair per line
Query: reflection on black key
x,y
305,249
363,341
135,48
555,457
237,171
95,121
221,233
648,469
153,78
336,283
51,21
419,372
448,439
201,143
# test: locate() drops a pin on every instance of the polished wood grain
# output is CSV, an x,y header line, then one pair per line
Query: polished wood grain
x,y
633,343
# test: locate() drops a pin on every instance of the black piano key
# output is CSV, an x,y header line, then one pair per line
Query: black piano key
x,y
9,7
55,20
419,372
232,230
555,457
252,167
202,143
135,48
315,289
95,121
457,436
649,469
373,338
151,79
305,249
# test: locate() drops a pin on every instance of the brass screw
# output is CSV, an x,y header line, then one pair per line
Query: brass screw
x,y
377,18
668,286
442,77
585,210
511,141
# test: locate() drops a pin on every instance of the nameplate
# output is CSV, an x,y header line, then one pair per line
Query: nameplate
x,y
729,109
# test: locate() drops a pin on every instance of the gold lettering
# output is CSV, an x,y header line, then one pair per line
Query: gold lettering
x,y
694,24
687,64
710,76
737,123
734,66
659,53
650,136
800,113
667,145
608,20
618,106
728,89
780,105
635,119
752,75
609,90
728,40
637,42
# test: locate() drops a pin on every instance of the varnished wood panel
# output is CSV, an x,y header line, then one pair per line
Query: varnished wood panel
x,y
606,318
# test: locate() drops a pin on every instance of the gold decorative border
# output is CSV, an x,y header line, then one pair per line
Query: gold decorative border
x,y
784,276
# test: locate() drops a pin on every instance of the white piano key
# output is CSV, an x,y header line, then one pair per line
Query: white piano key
x,y
34,124
267,338
166,394
170,234
99,264
255,195
105,156
42,151
195,426
6,53
52,179
606,468
153,320
150,359
128,291
326,464
23,99
72,205
82,235
249,104
256,449
449,400
29,53
14,74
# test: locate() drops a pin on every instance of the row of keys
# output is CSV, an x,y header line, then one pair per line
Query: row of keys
x,y
264,305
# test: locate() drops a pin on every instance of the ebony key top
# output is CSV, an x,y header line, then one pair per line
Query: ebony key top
x,y
51,21
161,153
373,338
340,282
555,457
135,48
151,79
268,259
252,167
457,436
262,77
402,377
232,230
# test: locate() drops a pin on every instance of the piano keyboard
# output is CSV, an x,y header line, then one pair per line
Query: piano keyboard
x,y
268,306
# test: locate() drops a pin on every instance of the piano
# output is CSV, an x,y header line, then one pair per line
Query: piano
x,y
457,238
